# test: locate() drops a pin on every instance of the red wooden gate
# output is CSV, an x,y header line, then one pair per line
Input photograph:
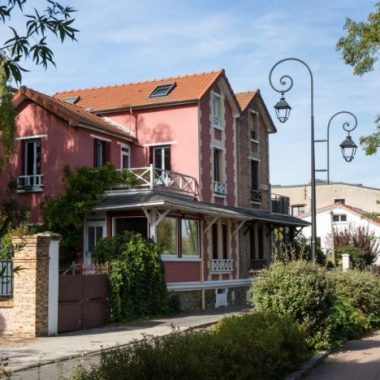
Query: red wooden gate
x,y
82,301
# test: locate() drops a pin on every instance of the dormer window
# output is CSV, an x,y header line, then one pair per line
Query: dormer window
x,y
71,99
162,90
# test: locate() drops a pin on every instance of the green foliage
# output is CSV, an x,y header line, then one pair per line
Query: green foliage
x,y
299,249
371,142
84,188
137,278
362,42
253,346
300,290
362,245
7,115
55,20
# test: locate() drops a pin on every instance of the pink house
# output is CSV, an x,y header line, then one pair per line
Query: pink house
x,y
199,153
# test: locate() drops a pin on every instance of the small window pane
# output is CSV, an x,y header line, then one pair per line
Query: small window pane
x,y
335,218
190,236
167,236
343,218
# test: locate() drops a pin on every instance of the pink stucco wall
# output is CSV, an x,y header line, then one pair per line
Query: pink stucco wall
x,y
175,125
62,145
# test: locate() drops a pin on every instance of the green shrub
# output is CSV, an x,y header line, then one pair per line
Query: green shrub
x,y
361,291
254,346
348,322
137,277
302,291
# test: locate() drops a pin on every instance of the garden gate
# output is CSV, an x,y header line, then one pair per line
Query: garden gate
x,y
82,302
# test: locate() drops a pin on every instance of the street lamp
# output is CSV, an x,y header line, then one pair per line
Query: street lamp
x,y
282,111
348,147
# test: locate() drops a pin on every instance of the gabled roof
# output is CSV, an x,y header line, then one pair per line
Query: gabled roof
x,y
74,115
245,99
188,88
358,211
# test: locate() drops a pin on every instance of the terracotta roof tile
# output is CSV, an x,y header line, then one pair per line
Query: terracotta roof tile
x,y
188,88
74,115
244,98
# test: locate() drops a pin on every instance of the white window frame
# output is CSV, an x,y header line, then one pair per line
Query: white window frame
x,y
162,149
125,150
220,99
92,223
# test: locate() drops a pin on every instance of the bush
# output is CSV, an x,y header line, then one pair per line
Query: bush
x,y
254,346
137,277
359,291
302,291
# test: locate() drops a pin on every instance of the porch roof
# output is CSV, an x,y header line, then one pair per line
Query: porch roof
x,y
152,199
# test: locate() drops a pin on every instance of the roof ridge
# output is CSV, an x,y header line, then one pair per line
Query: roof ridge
x,y
246,92
139,82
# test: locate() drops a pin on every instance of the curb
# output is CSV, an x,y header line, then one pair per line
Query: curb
x,y
307,366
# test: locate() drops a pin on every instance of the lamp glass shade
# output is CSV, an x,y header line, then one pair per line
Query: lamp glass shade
x,y
282,109
348,149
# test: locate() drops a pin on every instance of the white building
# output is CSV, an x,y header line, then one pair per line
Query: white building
x,y
340,217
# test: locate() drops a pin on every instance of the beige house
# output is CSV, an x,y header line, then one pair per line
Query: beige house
x,y
355,195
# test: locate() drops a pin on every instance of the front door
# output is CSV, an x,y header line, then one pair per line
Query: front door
x,y
95,231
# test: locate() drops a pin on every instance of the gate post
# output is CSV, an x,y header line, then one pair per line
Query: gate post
x,y
36,285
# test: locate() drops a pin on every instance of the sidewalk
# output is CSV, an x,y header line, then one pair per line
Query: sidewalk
x,y
17,357
359,360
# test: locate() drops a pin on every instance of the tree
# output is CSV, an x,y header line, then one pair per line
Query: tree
x,y
31,44
360,48
54,20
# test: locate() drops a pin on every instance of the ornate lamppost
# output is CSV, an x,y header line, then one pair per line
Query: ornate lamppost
x,y
282,109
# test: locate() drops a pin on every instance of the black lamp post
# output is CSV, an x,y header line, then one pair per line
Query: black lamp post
x,y
282,111
348,146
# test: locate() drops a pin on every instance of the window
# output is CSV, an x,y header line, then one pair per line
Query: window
x,y
162,90
178,237
340,218
341,201
133,224
101,152
160,157
167,235
298,209
220,241
31,150
125,162
254,175
189,237
217,116
218,165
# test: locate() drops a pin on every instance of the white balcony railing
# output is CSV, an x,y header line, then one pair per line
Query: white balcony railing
x,y
152,178
222,265
29,181
220,188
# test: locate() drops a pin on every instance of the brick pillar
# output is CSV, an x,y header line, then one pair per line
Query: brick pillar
x,y
31,285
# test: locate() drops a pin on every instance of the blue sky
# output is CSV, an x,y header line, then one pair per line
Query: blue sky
x,y
123,41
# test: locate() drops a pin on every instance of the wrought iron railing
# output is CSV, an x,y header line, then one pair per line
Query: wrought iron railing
x,y
29,181
256,196
280,204
6,278
153,178
222,265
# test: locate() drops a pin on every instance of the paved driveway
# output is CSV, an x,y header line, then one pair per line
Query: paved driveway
x,y
360,360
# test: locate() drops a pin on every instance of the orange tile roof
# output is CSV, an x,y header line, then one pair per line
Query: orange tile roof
x,y
188,88
74,115
244,98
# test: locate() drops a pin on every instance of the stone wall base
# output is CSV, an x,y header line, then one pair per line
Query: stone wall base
x,y
192,300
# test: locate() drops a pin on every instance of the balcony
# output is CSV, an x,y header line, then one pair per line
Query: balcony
x,y
222,265
29,182
256,196
219,188
151,178
280,204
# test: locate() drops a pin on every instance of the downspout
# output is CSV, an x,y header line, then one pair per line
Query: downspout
x,y
203,290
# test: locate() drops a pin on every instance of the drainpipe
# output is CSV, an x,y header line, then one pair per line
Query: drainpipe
x,y
203,290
